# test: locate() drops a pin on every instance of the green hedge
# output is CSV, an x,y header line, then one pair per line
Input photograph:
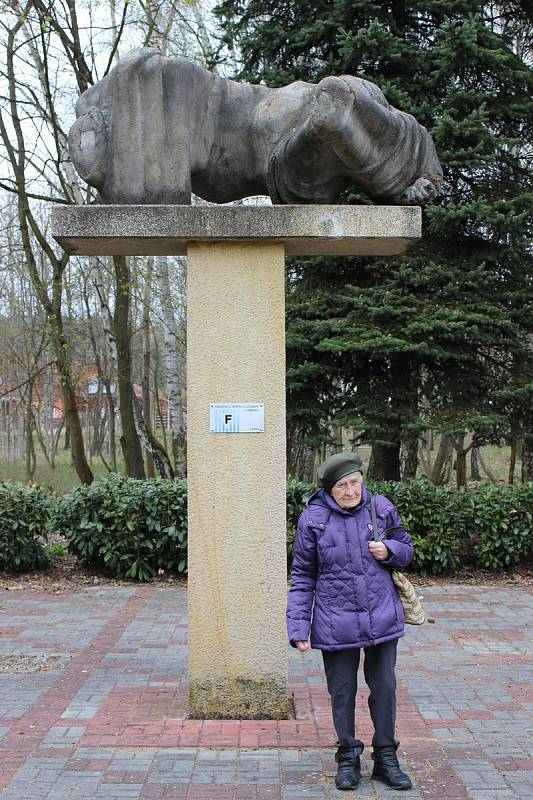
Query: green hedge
x,y
437,519
24,516
133,529
503,525
490,528
125,527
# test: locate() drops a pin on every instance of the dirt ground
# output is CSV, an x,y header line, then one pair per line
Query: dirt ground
x,y
65,574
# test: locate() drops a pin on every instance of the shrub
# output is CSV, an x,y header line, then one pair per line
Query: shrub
x,y
24,514
436,518
133,529
126,527
297,494
491,527
502,524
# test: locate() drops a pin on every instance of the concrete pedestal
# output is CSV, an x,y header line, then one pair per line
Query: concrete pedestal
x,y
236,483
236,354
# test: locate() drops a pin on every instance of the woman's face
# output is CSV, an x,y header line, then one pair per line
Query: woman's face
x,y
347,491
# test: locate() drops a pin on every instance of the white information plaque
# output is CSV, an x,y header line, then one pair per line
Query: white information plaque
x,y
237,417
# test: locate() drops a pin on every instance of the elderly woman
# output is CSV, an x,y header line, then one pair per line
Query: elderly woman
x,y
343,596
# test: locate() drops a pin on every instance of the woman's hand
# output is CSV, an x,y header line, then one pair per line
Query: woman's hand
x,y
378,550
303,646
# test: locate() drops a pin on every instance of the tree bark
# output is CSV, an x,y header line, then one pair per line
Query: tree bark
x,y
147,357
307,465
401,409
439,465
411,458
130,442
157,451
460,461
110,359
385,462
292,449
175,371
490,475
29,449
527,449
527,459
58,436
512,459
474,466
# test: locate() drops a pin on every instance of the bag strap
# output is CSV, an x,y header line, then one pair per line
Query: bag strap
x,y
378,537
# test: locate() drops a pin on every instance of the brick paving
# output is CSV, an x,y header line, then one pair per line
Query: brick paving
x,y
109,719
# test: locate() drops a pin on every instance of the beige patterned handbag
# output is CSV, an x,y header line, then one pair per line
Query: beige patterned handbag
x,y
413,612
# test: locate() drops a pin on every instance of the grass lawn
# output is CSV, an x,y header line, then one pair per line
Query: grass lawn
x,y
63,478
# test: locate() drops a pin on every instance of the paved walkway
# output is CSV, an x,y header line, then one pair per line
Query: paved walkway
x,y
107,720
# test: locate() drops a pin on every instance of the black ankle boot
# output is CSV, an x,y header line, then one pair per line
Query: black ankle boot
x,y
387,770
349,766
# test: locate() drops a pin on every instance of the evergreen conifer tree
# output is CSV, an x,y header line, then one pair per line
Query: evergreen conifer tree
x,y
441,337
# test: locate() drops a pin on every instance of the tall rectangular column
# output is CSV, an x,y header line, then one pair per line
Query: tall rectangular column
x,y
236,482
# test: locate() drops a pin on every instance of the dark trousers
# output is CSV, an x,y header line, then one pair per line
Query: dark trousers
x,y
341,676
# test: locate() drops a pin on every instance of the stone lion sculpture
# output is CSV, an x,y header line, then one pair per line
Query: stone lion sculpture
x,y
157,128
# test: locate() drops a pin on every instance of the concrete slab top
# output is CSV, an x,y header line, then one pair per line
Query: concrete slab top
x,y
304,230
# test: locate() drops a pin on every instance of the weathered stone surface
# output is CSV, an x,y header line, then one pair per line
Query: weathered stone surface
x,y
304,230
157,127
235,698
237,568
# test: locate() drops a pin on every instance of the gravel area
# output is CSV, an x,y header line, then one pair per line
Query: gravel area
x,y
23,664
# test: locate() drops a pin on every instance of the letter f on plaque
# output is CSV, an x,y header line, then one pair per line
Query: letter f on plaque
x,y
227,418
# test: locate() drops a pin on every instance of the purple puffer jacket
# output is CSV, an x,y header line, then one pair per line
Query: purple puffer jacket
x,y
355,601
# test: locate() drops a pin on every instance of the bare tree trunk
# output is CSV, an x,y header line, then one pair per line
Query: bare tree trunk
x,y
425,452
130,442
162,420
204,38
512,460
474,466
10,454
460,461
490,475
40,439
147,357
112,426
29,449
410,447
385,461
292,449
307,465
527,451
155,448
370,465
439,465
175,370
111,360
527,460
58,435
108,355
51,433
